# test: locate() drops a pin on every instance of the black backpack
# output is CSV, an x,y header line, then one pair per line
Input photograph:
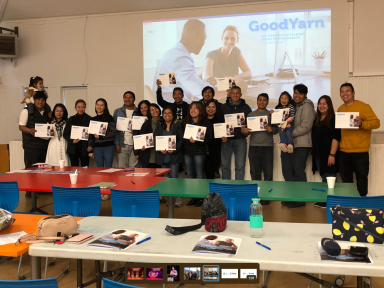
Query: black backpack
x,y
213,216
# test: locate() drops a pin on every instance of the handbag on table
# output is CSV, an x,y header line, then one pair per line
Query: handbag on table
x,y
357,224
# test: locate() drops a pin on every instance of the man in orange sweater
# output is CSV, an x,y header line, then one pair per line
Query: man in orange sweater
x,y
354,144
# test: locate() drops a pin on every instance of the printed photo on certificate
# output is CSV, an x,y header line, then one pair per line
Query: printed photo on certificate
x,y
79,132
165,142
223,84
124,124
224,130
167,78
99,128
45,130
347,120
196,132
280,115
237,119
137,122
259,123
145,140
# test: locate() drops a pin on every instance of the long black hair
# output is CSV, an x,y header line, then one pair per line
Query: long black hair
x,y
106,113
146,102
65,112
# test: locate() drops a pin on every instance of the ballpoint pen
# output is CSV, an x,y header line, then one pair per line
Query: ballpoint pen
x,y
318,190
146,239
133,182
270,191
262,245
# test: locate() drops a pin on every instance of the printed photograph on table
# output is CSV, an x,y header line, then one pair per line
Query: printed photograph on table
x,y
292,47
135,273
344,256
119,239
173,273
217,244
154,273
192,273
211,273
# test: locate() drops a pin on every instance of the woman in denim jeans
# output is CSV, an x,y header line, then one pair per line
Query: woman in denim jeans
x,y
195,152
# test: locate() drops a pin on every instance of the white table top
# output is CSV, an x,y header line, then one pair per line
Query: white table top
x,y
294,246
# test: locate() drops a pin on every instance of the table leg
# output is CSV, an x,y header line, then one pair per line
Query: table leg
x,y
364,282
79,273
97,270
34,204
35,267
171,206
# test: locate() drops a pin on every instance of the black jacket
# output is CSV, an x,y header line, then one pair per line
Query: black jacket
x,y
145,129
177,155
199,147
108,139
30,141
230,108
322,137
179,110
76,120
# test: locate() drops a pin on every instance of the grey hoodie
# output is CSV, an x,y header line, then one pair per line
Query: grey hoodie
x,y
304,117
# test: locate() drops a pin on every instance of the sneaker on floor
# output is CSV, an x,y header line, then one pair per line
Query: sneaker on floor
x,y
191,202
296,204
321,204
163,201
285,203
290,148
178,202
28,195
105,197
283,147
198,203
264,202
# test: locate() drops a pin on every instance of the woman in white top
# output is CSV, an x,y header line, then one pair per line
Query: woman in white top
x,y
57,148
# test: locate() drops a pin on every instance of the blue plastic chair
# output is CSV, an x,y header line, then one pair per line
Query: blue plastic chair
x,y
9,195
237,198
135,203
111,284
353,201
40,283
78,202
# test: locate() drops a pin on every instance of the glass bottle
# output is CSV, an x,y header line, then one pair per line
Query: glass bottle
x,y
256,218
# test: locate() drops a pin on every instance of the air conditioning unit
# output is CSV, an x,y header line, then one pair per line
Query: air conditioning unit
x,y
8,46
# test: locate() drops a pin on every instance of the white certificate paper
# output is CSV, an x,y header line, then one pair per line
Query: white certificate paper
x,y
145,140
224,130
237,119
165,142
45,130
79,132
167,78
259,123
196,132
280,115
138,121
99,128
346,120
124,124
223,84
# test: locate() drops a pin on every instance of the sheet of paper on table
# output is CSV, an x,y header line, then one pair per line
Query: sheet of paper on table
x,y
137,174
10,238
110,170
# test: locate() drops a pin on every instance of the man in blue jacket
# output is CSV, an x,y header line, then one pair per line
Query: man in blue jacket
x,y
238,143
124,139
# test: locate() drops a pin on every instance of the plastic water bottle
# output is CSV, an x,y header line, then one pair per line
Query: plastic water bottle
x,y
256,218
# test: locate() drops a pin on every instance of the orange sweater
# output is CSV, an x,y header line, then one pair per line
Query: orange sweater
x,y
358,140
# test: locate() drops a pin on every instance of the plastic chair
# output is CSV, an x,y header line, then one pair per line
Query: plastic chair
x,y
111,284
353,201
237,198
45,283
9,195
135,203
78,202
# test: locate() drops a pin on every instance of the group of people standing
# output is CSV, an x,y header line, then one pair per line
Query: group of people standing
x,y
304,131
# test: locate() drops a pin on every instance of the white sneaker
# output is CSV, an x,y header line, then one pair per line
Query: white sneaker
x,y
105,197
178,202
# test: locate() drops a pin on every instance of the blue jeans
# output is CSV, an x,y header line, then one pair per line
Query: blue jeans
x,y
104,155
286,135
239,147
324,177
175,170
195,166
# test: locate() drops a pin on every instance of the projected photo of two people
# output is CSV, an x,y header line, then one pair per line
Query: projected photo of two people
x,y
259,57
